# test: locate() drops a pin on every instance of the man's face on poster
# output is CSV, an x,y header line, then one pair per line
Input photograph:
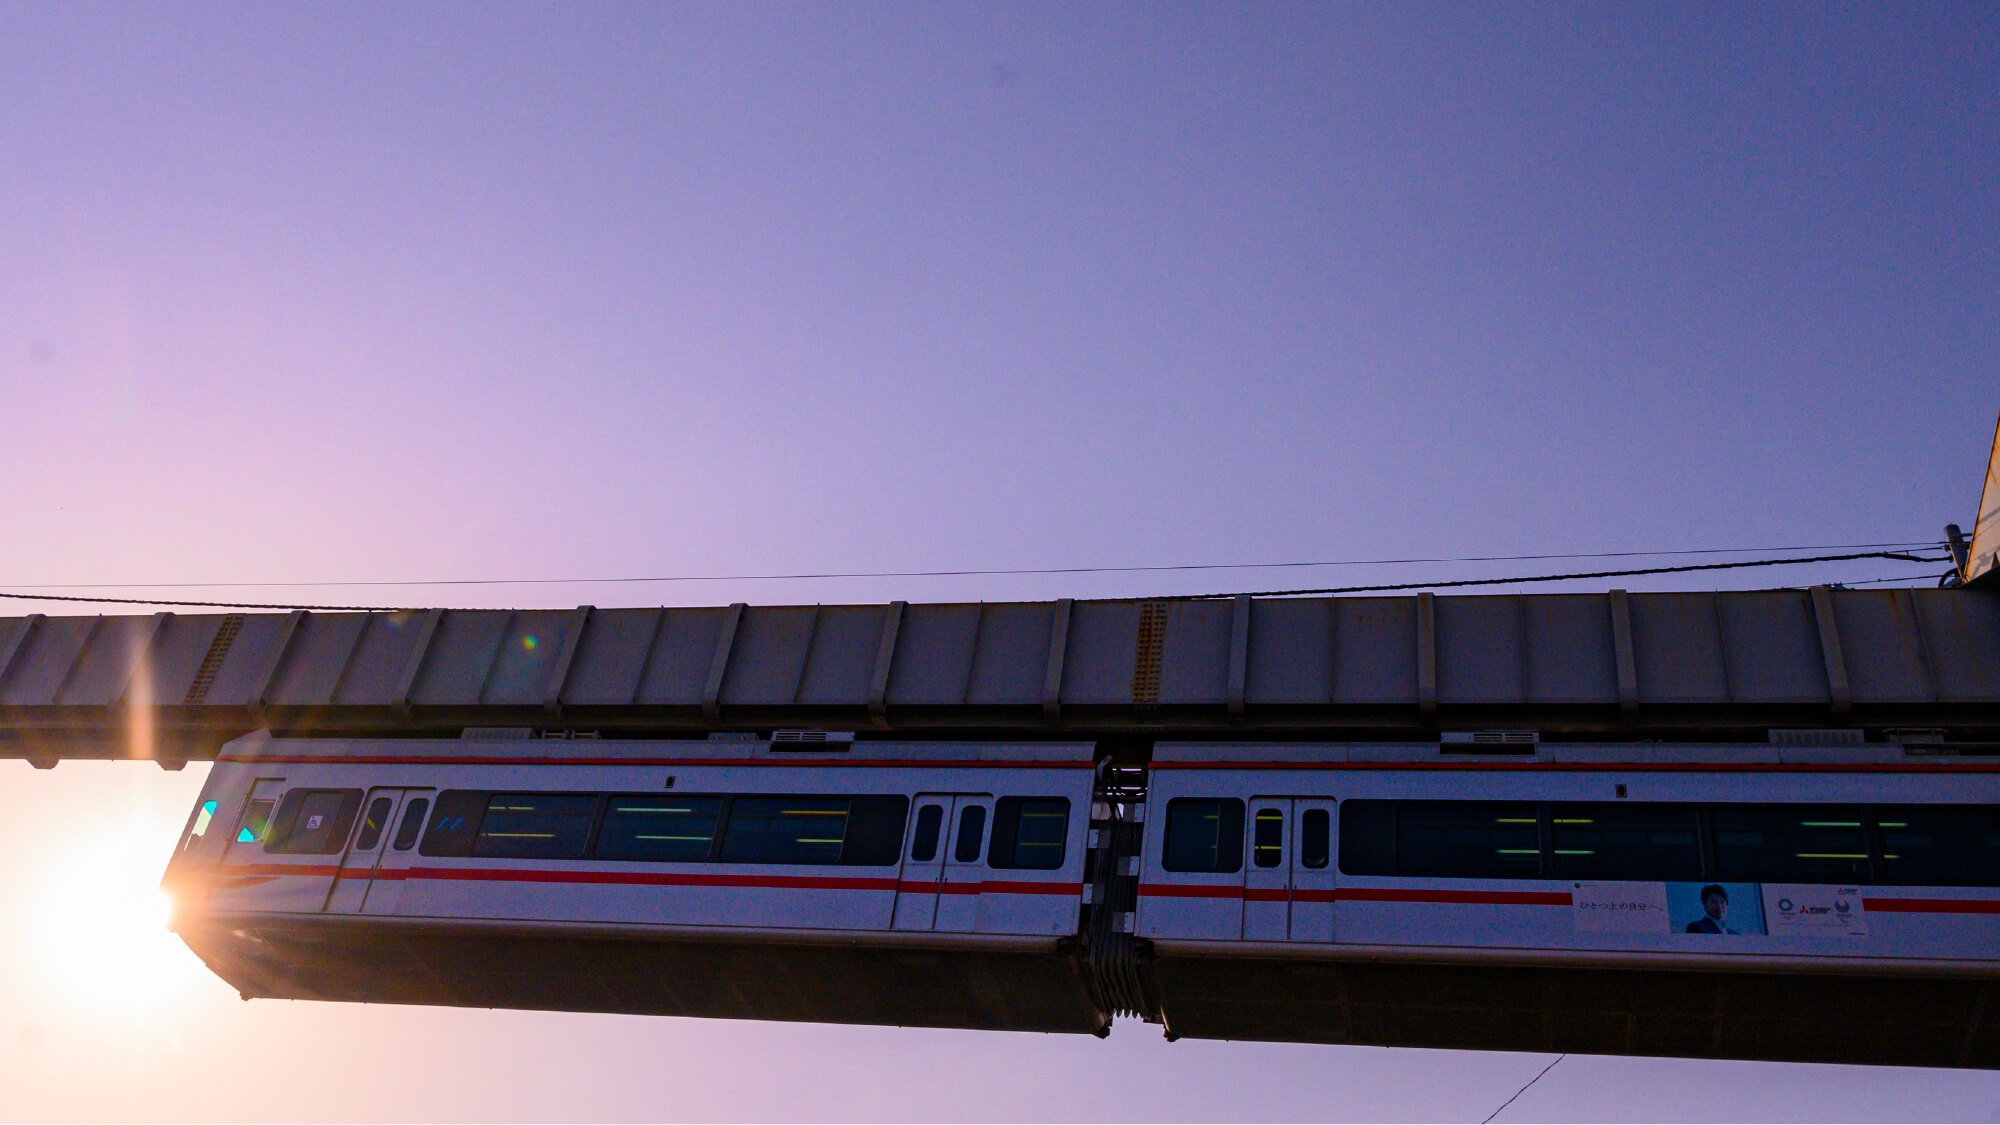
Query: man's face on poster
x,y
1715,906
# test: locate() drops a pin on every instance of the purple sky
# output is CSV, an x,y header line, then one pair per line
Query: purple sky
x,y
346,292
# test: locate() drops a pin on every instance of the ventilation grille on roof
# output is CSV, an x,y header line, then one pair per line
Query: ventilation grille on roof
x,y
808,741
1838,736
497,734
1489,741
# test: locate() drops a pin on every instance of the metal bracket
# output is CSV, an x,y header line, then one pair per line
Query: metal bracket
x,y
82,652
261,690
559,675
1239,654
142,655
17,642
885,656
1052,678
1427,663
725,642
407,684
1839,693
1621,644
806,656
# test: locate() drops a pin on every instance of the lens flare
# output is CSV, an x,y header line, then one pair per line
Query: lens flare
x,y
99,921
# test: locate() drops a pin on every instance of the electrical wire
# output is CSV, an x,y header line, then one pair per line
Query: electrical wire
x,y
1519,579
1927,578
1524,1089
1572,576
106,600
962,573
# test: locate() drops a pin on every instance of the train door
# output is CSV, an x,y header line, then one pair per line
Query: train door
x,y
1313,869
1288,883
965,864
364,851
385,890
923,863
1267,878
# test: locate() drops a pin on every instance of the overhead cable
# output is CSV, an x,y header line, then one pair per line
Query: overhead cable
x,y
1572,576
995,572
107,600
1524,1089
1516,580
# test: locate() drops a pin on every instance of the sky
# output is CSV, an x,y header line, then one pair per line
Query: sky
x,y
381,293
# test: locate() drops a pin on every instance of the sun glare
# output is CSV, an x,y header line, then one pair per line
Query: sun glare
x,y
101,927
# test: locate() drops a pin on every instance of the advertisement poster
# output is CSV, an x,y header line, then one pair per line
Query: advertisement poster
x,y
1814,911
1715,908
1619,908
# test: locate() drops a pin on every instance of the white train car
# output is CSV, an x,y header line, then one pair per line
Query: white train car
x,y
911,883
1831,904
1825,904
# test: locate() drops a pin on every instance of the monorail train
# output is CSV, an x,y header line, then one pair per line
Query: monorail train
x,y
1750,901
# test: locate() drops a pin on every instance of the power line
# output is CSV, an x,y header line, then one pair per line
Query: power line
x,y
1524,1089
1931,578
956,573
1517,580
1576,575
106,600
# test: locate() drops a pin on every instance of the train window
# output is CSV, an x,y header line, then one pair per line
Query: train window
x,y
314,821
373,823
1368,837
875,831
1916,845
454,823
536,825
924,841
1790,844
663,829
971,834
852,831
1204,834
204,814
1029,833
256,822
791,830
1468,839
1940,845
1267,839
413,823
199,828
1620,841
1315,838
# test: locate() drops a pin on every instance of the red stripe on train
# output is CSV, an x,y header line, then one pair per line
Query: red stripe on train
x,y
1486,898
488,760
1188,890
1360,894
658,879
991,887
1600,767
1520,898
1931,905
650,879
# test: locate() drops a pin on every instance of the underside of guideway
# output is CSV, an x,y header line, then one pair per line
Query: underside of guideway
x,y
1915,665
